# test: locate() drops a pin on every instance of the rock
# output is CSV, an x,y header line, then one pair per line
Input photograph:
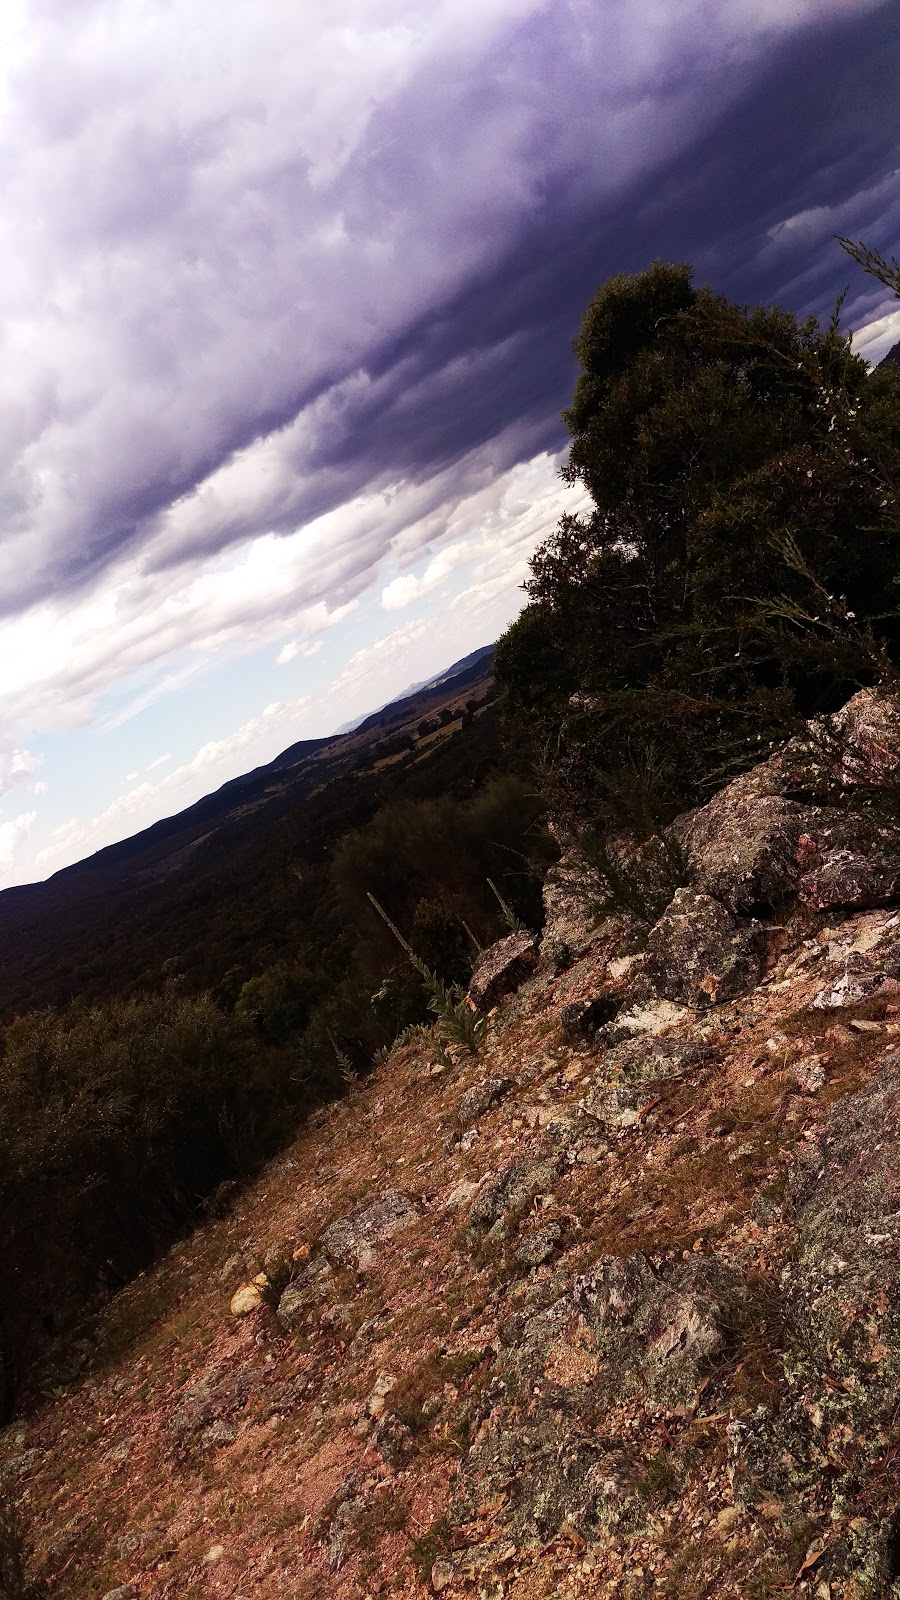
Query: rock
x,y
743,846
619,1105
578,1135
570,924
867,731
860,979
698,955
482,1098
809,1073
727,1520
655,1329
352,1239
202,1416
217,1435
631,1065
280,1262
502,968
376,1404
249,1297
234,1265
844,1286
840,1296
124,1592
538,1245
656,1019
349,1508
441,1575
516,1186
462,1193
394,1441
847,879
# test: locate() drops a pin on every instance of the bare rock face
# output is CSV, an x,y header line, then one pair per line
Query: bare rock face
x,y
580,1020
835,1422
516,1185
861,975
502,968
622,1330
699,955
307,1290
748,849
845,1284
570,927
481,1098
848,880
352,1240
868,730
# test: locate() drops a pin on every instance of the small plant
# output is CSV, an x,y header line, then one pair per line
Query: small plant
x,y
509,916
429,1547
639,883
660,1479
413,1033
458,1022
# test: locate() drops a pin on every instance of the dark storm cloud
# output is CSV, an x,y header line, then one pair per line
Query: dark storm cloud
x,y
234,308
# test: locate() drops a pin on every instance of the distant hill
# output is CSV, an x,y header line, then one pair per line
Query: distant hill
x,y
467,663
118,915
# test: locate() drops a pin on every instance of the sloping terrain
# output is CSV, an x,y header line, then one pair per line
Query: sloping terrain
x,y
109,921
611,1308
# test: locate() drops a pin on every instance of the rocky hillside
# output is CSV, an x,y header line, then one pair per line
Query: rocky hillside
x,y
611,1308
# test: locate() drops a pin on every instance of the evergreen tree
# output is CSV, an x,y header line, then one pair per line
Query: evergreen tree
x,y
738,569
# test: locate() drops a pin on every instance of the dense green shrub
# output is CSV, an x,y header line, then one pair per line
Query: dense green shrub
x,y
116,1121
278,1002
428,862
738,569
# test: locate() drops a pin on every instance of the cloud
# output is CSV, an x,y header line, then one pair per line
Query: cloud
x,y
257,263
12,836
874,339
404,590
366,665
17,768
289,294
295,648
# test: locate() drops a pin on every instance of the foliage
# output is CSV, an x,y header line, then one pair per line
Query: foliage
x,y
738,569
874,263
513,923
278,1001
457,1022
115,1122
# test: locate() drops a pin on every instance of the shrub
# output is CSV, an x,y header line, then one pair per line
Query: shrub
x,y
737,572
116,1121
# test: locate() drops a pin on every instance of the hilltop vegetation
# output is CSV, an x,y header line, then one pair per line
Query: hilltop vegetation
x,y
739,569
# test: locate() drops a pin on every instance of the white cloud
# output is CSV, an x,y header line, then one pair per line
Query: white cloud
x,y
215,213
875,338
12,836
17,767
406,589
295,648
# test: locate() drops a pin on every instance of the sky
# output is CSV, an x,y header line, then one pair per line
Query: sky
x,y
286,308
